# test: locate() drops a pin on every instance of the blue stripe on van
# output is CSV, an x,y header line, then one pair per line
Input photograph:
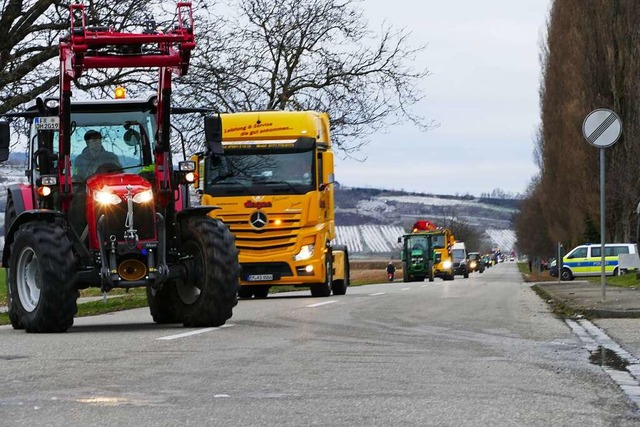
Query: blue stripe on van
x,y
589,263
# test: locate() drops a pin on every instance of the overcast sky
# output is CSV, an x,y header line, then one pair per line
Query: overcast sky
x,y
483,91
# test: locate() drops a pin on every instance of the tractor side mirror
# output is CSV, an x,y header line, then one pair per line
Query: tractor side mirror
x,y
5,139
213,134
399,239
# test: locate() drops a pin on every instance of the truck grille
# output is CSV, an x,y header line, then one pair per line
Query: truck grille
x,y
272,237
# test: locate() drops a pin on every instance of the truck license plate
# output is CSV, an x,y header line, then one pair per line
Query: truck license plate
x,y
259,277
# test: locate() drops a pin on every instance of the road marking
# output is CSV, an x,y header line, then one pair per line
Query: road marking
x,y
379,293
423,286
405,289
188,334
321,303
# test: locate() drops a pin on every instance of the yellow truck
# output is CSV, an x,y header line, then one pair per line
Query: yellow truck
x,y
443,241
273,186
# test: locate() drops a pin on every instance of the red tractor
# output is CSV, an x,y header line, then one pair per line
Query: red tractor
x,y
104,206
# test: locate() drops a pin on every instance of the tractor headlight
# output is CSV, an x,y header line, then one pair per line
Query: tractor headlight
x,y
143,196
446,265
187,166
306,252
105,197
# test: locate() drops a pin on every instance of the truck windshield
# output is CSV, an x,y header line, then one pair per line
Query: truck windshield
x,y
438,241
264,173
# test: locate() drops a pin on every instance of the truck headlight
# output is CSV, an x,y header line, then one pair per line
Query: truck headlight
x,y
446,265
306,252
105,197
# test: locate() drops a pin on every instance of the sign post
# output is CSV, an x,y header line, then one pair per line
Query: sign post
x,y
602,128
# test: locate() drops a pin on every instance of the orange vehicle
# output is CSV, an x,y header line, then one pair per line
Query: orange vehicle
x,y
274,187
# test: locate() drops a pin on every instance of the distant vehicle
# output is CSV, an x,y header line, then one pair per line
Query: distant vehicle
x,y
584,260
486,259
475,262
459,251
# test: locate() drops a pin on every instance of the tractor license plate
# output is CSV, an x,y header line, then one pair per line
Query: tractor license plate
x,y
259,277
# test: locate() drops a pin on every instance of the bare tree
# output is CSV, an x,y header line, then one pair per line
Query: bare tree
x,y
29,36
308,54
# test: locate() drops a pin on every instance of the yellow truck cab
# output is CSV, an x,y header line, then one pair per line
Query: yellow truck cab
x,y
585,260
443,241
273,187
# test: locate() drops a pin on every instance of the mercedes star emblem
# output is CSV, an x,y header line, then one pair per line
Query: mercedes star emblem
x,y
258,219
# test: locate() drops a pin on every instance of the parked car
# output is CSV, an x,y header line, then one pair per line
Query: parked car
x,y
475,262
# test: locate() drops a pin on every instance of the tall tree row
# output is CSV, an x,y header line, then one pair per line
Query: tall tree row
x,y
591,60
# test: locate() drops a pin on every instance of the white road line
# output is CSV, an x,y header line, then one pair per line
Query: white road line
x,y
405,289
379,293
321,303
188,334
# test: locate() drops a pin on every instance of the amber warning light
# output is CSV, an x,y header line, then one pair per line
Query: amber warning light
x,y
121,93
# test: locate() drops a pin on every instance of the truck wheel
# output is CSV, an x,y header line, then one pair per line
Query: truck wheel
x,y
324,289
566,274
465,274
260,291
162,303
339,287
208,294
245,292
42,278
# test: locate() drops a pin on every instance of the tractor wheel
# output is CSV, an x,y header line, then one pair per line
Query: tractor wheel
x,y
208,294
245,292
324,289
430,268
42,278
405,273
162,303
9,215
339,286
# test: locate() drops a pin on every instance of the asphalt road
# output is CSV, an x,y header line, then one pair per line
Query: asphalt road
x,y
477,351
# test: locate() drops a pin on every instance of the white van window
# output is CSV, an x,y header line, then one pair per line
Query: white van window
x,y
609,250
616,250
579,253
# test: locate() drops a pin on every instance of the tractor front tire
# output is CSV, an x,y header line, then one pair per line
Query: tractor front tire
x,y
162,303
42,278
208,294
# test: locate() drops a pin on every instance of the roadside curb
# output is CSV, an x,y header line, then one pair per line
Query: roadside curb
x,y
585,304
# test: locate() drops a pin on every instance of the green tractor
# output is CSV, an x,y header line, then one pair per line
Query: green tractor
x,y
418,256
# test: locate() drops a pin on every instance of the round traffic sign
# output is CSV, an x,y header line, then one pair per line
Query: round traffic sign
x,y
602,128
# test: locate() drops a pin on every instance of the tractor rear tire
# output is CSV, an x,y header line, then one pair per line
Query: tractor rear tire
x,y
162,303
42,278
208,294
9,217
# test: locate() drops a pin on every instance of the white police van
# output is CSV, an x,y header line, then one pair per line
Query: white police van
x,y
585,260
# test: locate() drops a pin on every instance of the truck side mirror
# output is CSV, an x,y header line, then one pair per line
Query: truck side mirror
x,y
213,134
5,139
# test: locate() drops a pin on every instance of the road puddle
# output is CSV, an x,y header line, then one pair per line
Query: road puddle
x,y
605,357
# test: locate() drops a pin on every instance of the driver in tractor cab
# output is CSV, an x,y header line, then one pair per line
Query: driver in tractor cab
x,y
94,158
